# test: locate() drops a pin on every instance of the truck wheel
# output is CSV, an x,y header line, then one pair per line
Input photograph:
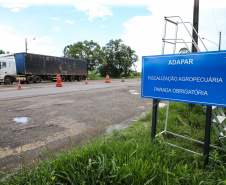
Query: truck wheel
x,y
37,79
63,79
72,78
7,80
30,80
80,78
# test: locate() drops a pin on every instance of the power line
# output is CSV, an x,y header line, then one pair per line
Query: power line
x,y
214,18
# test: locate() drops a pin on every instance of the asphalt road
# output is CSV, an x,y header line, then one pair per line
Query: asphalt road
x,y
41,114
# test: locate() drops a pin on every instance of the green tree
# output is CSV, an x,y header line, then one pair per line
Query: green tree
x,y
3,52
86,50
118,58
183,50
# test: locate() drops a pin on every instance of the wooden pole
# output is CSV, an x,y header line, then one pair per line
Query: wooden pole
x,y
194,35
195,24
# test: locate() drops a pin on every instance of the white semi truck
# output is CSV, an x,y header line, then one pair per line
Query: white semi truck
x,y
32,68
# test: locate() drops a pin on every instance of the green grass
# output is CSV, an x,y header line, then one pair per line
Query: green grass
x,y
93,75
189,123
131,157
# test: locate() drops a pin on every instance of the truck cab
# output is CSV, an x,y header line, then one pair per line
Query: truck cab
x,y
7,68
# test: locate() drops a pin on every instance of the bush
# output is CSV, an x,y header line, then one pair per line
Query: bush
x,y
138,74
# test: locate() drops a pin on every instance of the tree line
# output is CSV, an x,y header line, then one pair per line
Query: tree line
x,y
3,52
113,59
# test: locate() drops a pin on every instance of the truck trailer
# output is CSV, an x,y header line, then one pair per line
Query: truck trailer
x,y
32,68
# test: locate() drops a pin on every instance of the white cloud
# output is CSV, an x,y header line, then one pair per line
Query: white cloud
x,y
171,4
15,7
15,10
57,19
14,42
144,33
69,21
56,29
73,2
94,10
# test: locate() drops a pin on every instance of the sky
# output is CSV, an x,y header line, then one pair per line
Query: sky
x,y
139,23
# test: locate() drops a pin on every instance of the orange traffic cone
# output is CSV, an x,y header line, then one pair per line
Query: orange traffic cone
x,y
138,78
86,81
107,79
58,84
122,79
19,85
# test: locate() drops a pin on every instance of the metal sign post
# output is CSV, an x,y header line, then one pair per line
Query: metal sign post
x,y
207,134
154,118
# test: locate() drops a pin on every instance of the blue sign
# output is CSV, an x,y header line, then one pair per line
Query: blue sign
x,y
198,78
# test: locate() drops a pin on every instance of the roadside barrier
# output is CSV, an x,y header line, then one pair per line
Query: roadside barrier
x,y
107,79
58,84
19,85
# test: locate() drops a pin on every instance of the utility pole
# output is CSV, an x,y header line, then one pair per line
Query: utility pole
x,y
194,35
195,24
26,45
219,41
